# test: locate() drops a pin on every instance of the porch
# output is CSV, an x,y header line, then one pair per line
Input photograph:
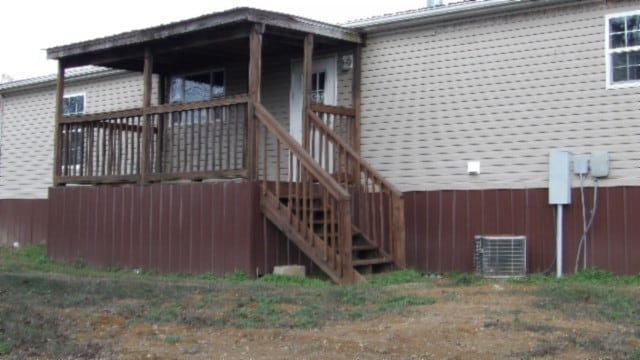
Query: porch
x,y
293,132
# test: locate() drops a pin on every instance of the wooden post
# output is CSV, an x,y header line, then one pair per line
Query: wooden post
x,y
255,75
307,71
57,133
355,88
146,118
398,232
346,241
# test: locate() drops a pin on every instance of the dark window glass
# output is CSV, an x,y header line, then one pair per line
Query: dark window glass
x,y
617,41
196,87
633,38
633,22
616,25
73,105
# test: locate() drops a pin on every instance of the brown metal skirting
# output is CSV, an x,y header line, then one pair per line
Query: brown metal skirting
x,y
23,221
441,225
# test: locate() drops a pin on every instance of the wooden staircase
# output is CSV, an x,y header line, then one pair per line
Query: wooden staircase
x,y
350,224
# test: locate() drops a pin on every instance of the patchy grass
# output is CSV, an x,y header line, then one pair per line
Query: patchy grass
x,y
34,296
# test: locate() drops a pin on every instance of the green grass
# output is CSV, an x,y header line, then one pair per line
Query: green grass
x,y
35,300
397,278
172,339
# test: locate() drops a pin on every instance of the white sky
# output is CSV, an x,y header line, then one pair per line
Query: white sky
x,y
27,27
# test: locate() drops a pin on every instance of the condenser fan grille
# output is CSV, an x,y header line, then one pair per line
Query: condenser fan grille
x,y
501,256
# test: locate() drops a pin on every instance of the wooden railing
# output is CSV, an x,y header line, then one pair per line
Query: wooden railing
x,y
199,140
302,199
341,120
378,206
183,141
100,146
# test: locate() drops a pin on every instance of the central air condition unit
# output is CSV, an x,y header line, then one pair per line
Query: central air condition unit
x,y
501,256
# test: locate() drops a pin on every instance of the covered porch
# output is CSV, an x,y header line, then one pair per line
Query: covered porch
x,y
245,94
201,78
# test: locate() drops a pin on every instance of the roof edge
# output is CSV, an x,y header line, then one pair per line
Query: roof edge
x,y
72,75
452,12
226,17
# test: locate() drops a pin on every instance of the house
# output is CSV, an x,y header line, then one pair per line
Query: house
x,y
259,138
26,109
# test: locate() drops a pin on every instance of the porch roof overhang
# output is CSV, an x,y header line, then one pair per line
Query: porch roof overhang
x,y
190,43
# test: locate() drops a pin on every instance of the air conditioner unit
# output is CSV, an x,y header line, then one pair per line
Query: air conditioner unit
x,y
502,256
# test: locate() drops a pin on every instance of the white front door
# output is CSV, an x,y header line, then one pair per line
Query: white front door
x,y
323,90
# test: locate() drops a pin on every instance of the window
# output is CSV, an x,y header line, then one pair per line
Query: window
x,y
73,105
196,87
623,50
317,87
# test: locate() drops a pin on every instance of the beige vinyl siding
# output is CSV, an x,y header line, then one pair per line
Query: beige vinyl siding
x,y
26,144
26,157
502,90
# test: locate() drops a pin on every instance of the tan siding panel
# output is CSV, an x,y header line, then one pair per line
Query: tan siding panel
x,y
503,91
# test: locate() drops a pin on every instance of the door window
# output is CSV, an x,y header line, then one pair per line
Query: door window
x,y
317,87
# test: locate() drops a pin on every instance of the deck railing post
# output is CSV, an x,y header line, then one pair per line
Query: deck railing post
x,y
146,118
345,241
57,134
307,70
255,74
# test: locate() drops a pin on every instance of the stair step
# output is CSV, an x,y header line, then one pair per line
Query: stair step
x,y
363,247
373,261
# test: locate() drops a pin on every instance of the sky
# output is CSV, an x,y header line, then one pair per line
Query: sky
x,y
28,27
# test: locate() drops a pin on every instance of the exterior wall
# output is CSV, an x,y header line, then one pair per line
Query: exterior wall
x,y
503,90
172,228
24,221
28,119
441,225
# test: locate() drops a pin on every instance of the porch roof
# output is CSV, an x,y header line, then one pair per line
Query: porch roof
x,y
223,34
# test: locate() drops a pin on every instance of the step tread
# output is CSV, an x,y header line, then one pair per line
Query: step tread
x,y
372,261
364,247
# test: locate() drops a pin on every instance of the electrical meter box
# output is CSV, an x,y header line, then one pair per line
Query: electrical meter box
x,y
559,177
599,164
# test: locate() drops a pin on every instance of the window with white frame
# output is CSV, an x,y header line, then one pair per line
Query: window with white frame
x,y
73,105
623,49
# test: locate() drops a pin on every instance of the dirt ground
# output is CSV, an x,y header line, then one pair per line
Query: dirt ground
x,y
489,321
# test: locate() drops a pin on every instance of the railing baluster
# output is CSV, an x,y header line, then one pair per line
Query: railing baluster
x,y
264,162
236,124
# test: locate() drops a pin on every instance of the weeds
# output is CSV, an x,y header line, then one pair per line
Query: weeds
x,y
396,278
463,279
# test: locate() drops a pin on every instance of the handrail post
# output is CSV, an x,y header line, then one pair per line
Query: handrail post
x,y
146,117
307,69
346,240
255,74
398,232
57,134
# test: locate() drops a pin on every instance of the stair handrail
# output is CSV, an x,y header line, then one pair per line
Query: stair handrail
x,y
325,179
362,162
396,203
333,248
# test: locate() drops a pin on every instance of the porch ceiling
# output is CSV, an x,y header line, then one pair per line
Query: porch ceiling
x,y
204,41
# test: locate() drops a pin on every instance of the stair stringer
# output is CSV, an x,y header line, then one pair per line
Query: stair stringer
x,y
278,214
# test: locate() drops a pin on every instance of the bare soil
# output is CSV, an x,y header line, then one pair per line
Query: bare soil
x,y
491,321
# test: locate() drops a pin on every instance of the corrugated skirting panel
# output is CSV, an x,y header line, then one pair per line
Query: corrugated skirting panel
x,y
441,226
172,228
23,221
